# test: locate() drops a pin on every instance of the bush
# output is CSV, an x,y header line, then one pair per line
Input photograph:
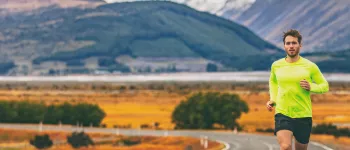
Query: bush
x,y
324,129
202,111
142,126
34,112
331,130
129,141
41,141
268,130
211,67
77,140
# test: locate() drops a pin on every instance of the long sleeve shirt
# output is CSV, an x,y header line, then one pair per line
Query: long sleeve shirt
x,y
285,90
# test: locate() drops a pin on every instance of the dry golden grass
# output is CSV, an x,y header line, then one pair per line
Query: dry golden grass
x,y
147,106
144,106
341,143
15,137
156,143
137,114
168,143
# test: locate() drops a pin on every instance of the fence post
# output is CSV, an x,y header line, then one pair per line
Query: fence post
x,y
166,133
117,131
40,126
205,142
201,140
235,130
60,125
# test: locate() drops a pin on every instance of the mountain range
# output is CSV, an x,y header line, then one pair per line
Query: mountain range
x,y
69,37
323,23
141,36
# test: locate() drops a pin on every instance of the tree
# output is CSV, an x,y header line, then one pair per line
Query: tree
x,y
106,61
6,66
53,114
7,112
41,141
211,67
88,113
29,112
79,139
202,111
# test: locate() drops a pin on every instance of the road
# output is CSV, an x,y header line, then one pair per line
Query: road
x,y
240,141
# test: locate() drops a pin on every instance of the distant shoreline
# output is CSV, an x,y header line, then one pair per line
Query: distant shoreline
x,y
258,76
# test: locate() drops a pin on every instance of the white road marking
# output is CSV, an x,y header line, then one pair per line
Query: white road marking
x,y
321,145
237,145
227,146
270,146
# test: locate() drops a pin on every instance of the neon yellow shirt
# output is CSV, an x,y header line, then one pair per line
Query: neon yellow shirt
x,y
285,90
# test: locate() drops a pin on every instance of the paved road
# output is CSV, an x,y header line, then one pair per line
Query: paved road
x,y
241,141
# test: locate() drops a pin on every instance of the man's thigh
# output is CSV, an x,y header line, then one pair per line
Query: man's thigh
x,y
302,130
284,138
300,146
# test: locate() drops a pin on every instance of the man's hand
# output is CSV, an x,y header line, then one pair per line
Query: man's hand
x,y
305,85
269,105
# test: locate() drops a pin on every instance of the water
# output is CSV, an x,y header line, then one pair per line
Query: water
x,y
182,77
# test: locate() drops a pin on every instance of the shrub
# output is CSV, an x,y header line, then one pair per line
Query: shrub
x,y
41,141
77,140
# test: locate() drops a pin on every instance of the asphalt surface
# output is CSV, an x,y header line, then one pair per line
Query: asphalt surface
x,y
240,141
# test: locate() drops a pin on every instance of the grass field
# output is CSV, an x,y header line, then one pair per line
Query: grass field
x,y
137,104
15,137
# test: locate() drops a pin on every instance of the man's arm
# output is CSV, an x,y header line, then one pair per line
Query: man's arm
x,y
321,84
273,86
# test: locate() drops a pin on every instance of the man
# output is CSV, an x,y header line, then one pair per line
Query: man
x,y
290,86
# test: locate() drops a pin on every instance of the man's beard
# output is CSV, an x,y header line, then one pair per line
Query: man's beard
x,y
296,53
292,55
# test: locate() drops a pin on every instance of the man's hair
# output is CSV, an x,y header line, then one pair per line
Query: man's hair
x,y
293,33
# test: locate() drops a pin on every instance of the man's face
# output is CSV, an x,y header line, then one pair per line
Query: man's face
x,y
292,46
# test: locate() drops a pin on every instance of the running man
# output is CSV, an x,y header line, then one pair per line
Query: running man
x,y
292,80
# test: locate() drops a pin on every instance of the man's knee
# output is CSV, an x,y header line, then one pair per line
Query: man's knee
x,y
286,146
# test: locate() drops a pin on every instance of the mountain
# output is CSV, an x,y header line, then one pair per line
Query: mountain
x,y
27,5
337,61
323,23
213,6
136,37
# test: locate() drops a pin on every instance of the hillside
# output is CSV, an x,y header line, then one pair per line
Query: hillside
x,y
73,39
324,23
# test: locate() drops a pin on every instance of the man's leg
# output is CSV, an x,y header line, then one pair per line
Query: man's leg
x,y
303,127
300,146
285,139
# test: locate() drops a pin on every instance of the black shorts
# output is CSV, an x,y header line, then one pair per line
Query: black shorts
x,y
301,127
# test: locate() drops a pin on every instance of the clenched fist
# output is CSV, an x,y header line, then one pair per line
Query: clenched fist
x,y
269,105
305,85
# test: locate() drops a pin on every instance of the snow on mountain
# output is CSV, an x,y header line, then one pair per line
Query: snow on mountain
x,y
213,6
323,23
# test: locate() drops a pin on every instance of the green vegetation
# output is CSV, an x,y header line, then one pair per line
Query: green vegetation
x,y
79,139
331,129
151,29
30,112
6,66
130,141
323,128
41,141
112,65
211,67
202,111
